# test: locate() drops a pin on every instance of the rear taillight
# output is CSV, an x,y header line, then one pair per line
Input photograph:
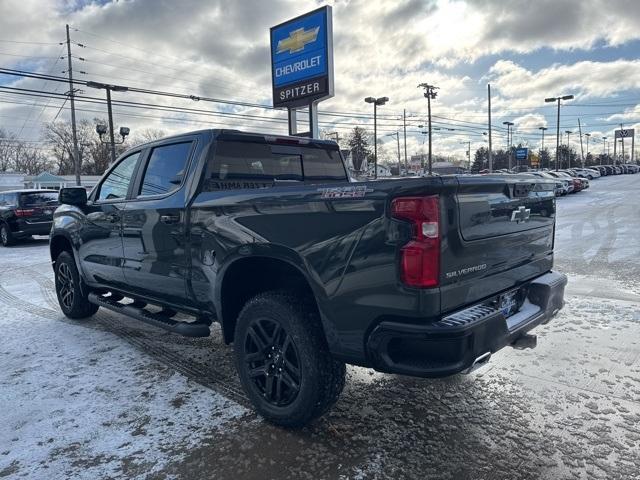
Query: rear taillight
x,y
24,212
420,258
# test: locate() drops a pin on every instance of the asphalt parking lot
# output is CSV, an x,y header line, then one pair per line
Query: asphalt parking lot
x,y
112,398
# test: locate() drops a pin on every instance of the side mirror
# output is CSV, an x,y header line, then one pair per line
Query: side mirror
x,y
73,196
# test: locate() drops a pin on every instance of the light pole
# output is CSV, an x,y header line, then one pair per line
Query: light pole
x,y
588,135
509,140
109,89
604,148
376,102
558,99
542,129
397,135
568,132
468,144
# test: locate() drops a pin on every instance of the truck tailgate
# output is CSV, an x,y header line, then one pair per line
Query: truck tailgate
x,y
498,234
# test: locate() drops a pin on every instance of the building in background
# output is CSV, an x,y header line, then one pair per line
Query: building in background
x,y
44,181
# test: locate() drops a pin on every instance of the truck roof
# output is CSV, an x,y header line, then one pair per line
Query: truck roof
x,y
231,133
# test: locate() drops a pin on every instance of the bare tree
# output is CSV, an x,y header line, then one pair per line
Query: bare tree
x,y
147,135
7,150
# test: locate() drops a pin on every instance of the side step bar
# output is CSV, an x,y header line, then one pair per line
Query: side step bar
x,y
196,329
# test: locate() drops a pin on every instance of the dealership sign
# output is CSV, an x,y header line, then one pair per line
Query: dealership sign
x,y
302,59
522,153
629,132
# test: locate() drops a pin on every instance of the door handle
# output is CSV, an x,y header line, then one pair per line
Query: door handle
x,y
113,217
169,219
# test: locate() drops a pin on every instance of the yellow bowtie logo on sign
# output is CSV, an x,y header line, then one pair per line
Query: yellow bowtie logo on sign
x,y
297,40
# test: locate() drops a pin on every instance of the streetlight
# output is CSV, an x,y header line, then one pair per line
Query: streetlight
x,y
509,125
568,132
588,135
468,153
376,102
542,129
604,147
109,89
397,135
557,99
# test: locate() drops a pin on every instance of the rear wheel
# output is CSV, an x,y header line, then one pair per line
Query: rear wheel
x,y
71,291
283,360
5,235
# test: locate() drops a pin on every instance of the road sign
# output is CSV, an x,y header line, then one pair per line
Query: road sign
x,y
625,133
302,59
522,153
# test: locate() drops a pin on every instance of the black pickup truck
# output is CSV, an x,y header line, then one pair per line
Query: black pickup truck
x,y
304,270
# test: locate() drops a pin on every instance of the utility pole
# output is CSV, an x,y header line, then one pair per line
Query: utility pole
x,y
430,93
490,152
404,124
76,152
581,150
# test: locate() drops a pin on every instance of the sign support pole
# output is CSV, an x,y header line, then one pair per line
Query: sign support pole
x,y
314,131
293,121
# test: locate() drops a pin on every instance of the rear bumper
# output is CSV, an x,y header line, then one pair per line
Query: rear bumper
x,y
26,228
452,344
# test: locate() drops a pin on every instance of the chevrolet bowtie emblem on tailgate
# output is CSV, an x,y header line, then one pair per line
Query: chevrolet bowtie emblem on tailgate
x,y
520,215
297,40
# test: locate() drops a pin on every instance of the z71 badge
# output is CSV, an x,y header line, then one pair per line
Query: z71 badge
x,y
345,192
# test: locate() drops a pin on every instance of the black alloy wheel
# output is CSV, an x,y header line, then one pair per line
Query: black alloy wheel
x,y
272,361
283,360
66,287
72,292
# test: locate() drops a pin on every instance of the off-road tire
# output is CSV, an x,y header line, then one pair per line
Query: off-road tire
x,y
71,291
6,238
321,377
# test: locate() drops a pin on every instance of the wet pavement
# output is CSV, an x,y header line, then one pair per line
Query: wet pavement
x,y
568,409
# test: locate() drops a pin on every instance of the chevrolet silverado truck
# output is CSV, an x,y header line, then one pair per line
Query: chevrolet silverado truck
x,y
304,270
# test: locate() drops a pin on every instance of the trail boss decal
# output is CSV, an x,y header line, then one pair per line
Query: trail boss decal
x,y
345,192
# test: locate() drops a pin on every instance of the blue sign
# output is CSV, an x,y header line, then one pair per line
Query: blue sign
x,y
522,153
302,59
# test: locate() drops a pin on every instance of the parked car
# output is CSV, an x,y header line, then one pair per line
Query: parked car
x,y
633,168
304,270
561,186
24,213
575,185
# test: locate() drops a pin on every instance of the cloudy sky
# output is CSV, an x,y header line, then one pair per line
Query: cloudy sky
x,y
527,50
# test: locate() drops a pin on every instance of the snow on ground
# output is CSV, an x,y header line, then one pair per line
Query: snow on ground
x,y
78,402
113,398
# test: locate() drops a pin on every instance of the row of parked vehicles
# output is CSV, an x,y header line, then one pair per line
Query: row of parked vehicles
x,y
573,180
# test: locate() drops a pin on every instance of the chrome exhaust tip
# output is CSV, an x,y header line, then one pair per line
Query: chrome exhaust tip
x,y
478,362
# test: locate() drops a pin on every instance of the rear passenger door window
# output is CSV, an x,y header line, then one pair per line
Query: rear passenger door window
x,y
116,185
165,169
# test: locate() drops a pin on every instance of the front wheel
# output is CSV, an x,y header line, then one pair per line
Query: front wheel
x,y
283,360
72,297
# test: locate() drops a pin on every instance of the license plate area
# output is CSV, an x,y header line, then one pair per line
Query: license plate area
x,y
510,302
